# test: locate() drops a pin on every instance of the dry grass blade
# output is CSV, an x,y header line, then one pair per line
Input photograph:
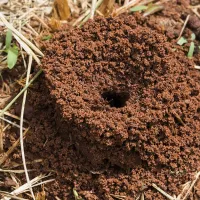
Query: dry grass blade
x,y
93,9
34,182
1,137
5,127
191,186
197,67
183,28
81,17
13,171
41,21
163,192
26,48
88,16
186,186
142,196
195,11
9,26
13,116
10,122
10,196
41,183
21,127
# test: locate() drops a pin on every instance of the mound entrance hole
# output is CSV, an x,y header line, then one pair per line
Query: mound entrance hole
x,y
116,99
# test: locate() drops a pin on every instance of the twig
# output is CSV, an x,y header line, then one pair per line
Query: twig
x,y
12,148
21,127
183,28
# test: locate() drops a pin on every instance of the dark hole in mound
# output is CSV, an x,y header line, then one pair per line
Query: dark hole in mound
x,y
116,99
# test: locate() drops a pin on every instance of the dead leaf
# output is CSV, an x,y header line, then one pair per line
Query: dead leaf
x,y
61,10
107,7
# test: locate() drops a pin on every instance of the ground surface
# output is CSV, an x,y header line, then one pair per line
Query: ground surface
x,y
118,108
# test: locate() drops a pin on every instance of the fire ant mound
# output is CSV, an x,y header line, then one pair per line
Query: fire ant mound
x,y
126,98
124,95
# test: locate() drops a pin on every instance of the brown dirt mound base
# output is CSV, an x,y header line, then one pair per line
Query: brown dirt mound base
x,y
118,99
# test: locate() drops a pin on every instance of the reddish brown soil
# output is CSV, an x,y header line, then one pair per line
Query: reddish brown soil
x,y
117,109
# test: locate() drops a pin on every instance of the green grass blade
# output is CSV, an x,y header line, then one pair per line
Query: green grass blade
x,y
12,57
181,41
47,37
138,8
191,50
193,36
8,38
152,9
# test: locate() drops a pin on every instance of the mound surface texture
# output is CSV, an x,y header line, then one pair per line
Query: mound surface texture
x,y
124,95
124,98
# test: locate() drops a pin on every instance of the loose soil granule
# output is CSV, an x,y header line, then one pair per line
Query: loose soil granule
x,y
118,108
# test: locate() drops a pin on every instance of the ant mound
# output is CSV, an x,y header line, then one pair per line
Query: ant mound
x,y
124,95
